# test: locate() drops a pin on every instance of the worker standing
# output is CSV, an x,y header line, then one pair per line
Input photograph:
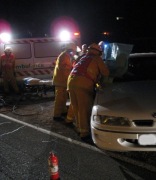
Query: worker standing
x,y
70,119
7,63
102,45
81,54
62,70
84,50
81,84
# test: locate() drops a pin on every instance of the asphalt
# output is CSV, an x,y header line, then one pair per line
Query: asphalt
x,y
37,111
24,152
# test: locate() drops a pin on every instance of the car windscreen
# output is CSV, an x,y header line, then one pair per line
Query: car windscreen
x,y
140,68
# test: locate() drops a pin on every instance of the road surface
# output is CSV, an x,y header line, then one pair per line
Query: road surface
x,y
24,151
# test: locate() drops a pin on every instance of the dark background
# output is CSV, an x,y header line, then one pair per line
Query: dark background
x,y
29,18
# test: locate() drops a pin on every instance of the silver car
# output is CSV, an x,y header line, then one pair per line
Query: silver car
x,y
124,112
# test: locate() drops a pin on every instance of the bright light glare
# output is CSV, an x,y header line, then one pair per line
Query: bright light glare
x,y
65,36
5,37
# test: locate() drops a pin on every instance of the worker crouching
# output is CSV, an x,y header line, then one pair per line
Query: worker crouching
x,y
81,85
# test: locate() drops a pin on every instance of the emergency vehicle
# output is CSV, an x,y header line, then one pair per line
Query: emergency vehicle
x,y
35,57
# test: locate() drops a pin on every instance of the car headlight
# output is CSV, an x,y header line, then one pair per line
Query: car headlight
x,y
111,120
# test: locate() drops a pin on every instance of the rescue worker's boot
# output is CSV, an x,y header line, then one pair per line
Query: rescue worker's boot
x,y
69,124
87,139
58,118
64,114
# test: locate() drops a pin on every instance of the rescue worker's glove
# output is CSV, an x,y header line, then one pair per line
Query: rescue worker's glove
x,y
103,82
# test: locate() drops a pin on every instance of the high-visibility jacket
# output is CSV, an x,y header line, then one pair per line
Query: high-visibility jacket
x,y
85,74
78,59
80,68
62,69
81,84
7,66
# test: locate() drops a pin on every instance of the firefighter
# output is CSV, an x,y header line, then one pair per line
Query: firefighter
x,y
102,44
7,62
81,85
81,54
70,119
84,49
62,70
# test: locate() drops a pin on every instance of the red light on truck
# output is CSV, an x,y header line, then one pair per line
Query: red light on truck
x,y
76,34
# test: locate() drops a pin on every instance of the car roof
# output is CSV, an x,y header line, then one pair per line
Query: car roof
x,y
149,54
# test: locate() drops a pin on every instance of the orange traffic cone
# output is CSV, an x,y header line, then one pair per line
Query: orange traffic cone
x,y
53,167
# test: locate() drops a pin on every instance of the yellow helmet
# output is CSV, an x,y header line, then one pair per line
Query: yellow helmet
x,y
8,49
101,43
95,46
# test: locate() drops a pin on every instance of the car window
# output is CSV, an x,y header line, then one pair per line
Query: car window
x,y
140,68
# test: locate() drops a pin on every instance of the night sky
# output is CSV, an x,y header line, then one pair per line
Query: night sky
x,y
33,18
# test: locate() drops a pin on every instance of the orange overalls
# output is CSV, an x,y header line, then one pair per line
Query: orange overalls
x,y
62,70
81,89
7,68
